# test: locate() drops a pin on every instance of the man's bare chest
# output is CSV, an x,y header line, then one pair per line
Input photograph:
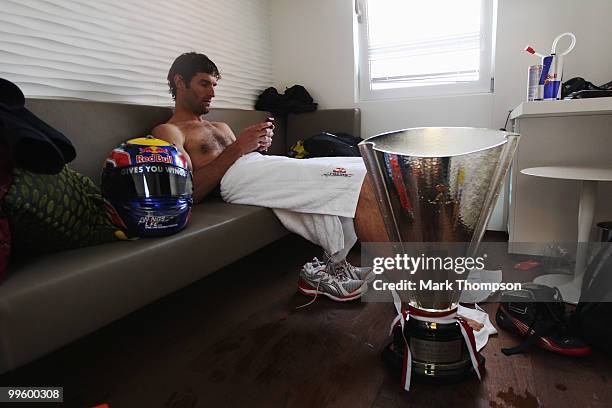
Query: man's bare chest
x,y
204,140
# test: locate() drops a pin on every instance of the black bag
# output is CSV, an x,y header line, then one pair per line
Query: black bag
x,y
271,101
332,145
580,88
537,314
593,318
295,100
299,100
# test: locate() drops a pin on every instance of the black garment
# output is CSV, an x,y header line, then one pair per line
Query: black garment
x,y
332,145
34,145
295,100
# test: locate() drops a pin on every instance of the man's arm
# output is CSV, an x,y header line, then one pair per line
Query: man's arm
x,y
208,175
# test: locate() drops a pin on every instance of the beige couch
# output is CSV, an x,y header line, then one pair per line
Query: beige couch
x,y
49,301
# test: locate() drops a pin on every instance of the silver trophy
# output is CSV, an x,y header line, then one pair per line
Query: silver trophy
x,y
437,185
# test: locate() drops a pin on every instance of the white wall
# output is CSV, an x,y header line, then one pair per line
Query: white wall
x,y
523,22
313,46
113,50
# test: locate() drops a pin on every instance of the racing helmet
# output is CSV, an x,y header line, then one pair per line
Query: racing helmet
x,y
147,187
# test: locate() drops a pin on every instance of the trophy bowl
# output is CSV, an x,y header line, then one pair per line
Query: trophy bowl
x,y
434,186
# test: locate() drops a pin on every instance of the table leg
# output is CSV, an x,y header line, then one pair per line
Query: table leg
x,y
570,285
588,194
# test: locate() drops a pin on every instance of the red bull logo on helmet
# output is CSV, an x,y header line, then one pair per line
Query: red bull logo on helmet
x,y
152,150
153,154
154,158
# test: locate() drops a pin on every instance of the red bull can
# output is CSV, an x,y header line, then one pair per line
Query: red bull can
x,y
535,91
550,79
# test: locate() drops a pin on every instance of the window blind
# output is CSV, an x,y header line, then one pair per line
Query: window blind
x,y
120,51
419,43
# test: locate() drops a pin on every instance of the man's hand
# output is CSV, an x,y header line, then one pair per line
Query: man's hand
x,y
263,147
256,137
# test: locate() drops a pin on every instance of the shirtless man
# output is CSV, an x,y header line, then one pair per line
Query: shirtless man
x,y
212,148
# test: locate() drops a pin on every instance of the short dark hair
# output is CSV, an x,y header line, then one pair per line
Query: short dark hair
x,y
189,64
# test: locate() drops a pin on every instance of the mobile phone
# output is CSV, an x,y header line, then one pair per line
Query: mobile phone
x,y
269,119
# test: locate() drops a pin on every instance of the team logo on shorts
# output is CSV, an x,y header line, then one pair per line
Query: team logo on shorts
x,y
338,172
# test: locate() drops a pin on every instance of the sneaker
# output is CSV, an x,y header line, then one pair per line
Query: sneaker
x,y
364,273
319,279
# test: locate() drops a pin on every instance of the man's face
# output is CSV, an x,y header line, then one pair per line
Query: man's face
x,y
199,93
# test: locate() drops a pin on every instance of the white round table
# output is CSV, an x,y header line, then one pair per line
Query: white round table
x,y
589,176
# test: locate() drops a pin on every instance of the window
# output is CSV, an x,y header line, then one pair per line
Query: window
x,y
424,47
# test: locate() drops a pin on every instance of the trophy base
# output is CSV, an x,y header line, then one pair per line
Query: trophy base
x,y
432,373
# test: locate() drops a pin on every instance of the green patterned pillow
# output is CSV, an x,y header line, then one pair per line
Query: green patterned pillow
x,y
50,213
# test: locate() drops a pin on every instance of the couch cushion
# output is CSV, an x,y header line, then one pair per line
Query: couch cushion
x,y
96,127
64,296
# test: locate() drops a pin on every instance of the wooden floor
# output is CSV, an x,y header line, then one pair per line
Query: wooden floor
x,y
235,339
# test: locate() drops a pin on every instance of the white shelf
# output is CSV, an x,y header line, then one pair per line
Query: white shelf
x,y
573,107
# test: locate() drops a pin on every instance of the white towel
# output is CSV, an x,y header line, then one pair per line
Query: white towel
x,y
315,198
336,235
324,185
481,336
